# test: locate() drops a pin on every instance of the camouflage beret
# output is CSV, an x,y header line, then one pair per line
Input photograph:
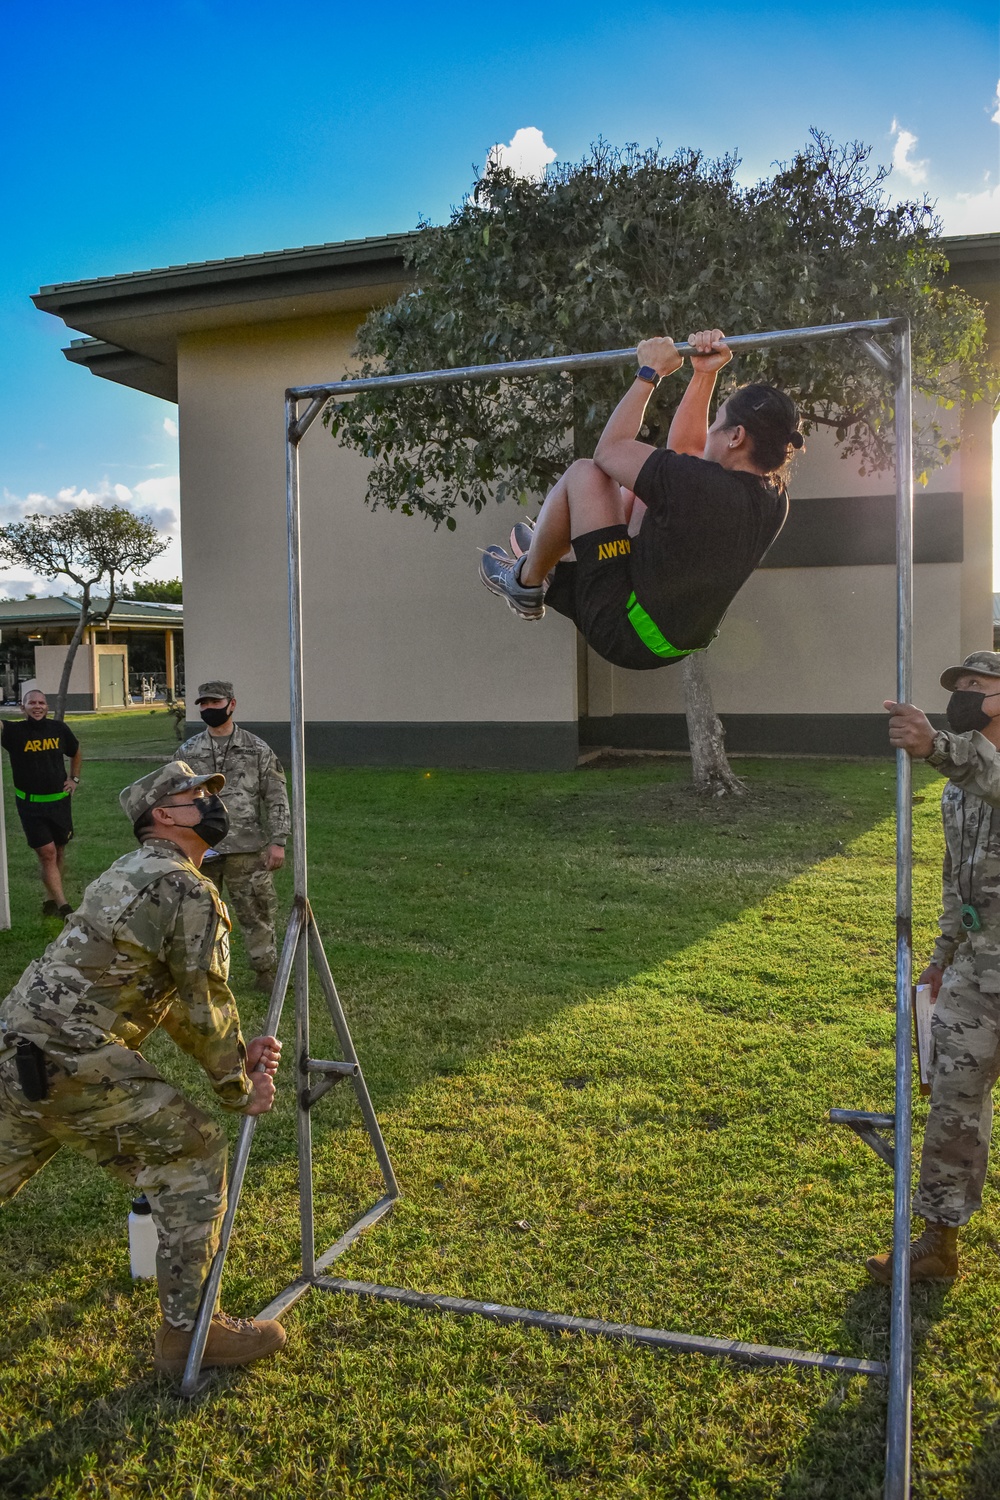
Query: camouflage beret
x,y
216,688
982,663
166,781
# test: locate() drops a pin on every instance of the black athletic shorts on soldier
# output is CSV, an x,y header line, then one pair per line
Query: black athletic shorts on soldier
x,y
648,600
37,748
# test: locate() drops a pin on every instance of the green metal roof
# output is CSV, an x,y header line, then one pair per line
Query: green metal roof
x,y
264,263
63,609
133,321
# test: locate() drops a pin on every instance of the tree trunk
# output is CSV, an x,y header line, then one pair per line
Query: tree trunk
x,y
709,766
71,651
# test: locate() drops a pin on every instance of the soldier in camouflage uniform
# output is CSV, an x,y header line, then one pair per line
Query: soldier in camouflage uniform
x,y
148,946
964,971
259,820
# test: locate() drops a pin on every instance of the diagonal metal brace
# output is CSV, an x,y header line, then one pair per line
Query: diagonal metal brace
x,y
887,363
868,1127
210,1291
299,426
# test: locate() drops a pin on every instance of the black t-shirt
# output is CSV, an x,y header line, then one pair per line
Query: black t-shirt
x,y
36,748
705,531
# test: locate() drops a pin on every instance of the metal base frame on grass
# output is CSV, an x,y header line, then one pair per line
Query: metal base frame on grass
x,y
302,942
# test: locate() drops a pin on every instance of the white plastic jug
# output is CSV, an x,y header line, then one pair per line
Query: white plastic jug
x,y
143,1240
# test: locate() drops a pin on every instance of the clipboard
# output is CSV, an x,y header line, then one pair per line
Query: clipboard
x,y
923,1040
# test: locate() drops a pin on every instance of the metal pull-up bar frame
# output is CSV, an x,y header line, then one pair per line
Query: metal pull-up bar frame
x,y
303,940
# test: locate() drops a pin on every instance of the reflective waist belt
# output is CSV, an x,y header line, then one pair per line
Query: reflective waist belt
x,y
40,796
650,633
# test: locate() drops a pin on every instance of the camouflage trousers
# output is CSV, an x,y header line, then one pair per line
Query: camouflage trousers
x,y
966,1031
114,1108
250,892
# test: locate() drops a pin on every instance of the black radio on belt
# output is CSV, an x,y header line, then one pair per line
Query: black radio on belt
x,y
29,1060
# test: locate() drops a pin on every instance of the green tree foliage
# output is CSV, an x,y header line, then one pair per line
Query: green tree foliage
x,y
155,591
628,243
91,546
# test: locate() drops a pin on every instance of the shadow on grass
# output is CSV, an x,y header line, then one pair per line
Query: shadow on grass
x,y
455,920
983,1480
140,1415
843,1456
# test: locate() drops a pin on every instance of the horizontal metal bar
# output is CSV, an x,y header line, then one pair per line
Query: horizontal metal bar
x,y
512,369
854,1117
657,1338
341,1069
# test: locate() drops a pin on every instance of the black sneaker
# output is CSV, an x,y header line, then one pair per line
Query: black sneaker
x,y
65,910
500,575
520,537
49,909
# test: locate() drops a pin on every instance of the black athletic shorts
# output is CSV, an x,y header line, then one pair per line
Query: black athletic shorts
x,y
46,822
594,593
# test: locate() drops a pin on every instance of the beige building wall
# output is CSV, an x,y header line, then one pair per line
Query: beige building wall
x,y
808,641
399,631
49,662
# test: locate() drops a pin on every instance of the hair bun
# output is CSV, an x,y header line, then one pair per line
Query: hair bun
x,y
796,439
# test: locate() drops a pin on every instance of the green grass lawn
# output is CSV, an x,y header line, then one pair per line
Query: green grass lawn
x,y
119,734
602,1023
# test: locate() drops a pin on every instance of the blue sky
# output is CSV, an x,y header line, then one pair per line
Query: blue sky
x,y
159,133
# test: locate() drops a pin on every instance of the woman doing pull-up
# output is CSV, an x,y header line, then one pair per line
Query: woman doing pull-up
x,y
662,538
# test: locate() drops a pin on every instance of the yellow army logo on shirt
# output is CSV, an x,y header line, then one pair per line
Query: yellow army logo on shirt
x,y
46,744
607,550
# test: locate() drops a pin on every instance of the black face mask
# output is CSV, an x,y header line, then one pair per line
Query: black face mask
x,y
213,825
965,710
215,717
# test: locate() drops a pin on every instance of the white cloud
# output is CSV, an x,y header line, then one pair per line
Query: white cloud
x,y
960,212
915,172
158,498
971,213
170,427
527,154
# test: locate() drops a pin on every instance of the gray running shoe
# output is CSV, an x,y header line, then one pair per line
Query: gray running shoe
x,y
499,573
520,537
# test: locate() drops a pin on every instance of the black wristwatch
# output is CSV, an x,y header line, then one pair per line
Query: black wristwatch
x,y
647,374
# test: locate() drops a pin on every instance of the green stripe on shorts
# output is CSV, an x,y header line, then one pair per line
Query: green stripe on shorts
x,y
650,633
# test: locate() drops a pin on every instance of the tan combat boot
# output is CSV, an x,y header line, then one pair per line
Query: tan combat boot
x,y
933,1257
231,1341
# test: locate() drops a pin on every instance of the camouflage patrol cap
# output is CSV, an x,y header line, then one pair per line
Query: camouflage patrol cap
x,y
982,663
216,688
166,781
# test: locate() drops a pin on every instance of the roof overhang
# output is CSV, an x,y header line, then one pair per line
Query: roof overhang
x,y
133,322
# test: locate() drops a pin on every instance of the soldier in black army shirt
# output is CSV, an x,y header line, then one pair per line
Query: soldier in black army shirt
x,y
38,748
